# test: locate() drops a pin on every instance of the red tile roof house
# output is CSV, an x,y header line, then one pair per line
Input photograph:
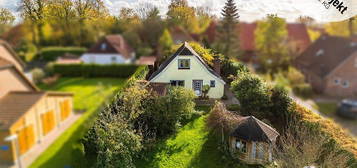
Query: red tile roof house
x,y
112,49
330,66
297,34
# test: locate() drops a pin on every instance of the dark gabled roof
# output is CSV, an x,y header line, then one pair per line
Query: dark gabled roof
x,y
115,44
252,129
185,49
323,56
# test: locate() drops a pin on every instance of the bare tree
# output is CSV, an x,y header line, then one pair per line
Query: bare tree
x,y
222,121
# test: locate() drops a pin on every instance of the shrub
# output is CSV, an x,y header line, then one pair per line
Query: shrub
x,y
295,77
52,53
37,75
95,70
230,69
303,90
253,94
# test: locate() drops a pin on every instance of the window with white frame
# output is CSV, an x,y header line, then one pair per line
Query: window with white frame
x,y
113,59
345,84
320,52
183,63
241,146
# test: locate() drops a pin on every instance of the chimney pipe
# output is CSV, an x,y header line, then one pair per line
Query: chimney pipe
x,y
217,65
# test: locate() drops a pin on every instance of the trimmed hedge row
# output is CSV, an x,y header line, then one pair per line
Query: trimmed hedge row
x,y
95,70
52,53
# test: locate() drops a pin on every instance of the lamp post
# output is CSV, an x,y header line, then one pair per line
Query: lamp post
x,y
13,138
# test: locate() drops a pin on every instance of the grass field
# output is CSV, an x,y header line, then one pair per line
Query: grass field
x,y
192,147
89,95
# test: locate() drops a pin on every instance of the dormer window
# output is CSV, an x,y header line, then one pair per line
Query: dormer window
x,y
353,44
320,52
183,63
103,46
345,84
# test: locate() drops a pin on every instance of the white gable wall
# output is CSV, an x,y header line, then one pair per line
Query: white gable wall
x,y
90,58
197,71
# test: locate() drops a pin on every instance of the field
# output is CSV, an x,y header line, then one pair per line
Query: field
x,y
89,96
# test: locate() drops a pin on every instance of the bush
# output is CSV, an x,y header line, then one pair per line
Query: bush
x,y
37,75
94,70
230,69
303,90
52,53
253,94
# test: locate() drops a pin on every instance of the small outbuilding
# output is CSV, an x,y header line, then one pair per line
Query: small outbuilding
x,y
252,141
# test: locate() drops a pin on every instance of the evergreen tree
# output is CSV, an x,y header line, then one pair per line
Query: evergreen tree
x,y
228,43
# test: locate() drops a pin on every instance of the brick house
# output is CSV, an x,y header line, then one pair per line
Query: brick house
x,y
297,36
330,66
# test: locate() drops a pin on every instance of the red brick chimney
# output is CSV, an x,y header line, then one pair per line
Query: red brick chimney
x,y
217,65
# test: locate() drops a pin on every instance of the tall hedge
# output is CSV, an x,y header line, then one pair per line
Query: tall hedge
x,y
95,70
52,53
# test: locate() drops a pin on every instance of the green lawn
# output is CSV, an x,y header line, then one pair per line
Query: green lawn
x,y
192,147
89,95
327,108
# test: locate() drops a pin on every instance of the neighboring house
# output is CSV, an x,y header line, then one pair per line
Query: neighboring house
x,y
26,111
298,38
68,58
146,60
186,68
330,66
252,141
112,49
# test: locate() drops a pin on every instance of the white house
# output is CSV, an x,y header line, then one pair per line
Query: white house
x,y
112,49
186,68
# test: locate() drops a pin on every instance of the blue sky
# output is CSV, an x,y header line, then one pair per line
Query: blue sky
x,y
250,10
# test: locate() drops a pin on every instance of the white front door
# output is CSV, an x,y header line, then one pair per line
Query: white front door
x,y
197,87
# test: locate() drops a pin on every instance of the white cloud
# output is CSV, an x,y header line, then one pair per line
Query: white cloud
x,y
250,10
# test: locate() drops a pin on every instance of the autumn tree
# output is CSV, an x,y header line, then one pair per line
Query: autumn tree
x,y
6,19
181,14
151,28
165,44
34,11
228,36
271,43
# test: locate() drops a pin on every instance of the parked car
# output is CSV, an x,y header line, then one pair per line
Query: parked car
x,y
348,109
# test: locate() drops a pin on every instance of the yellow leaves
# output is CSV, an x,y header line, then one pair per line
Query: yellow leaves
x,y
330,128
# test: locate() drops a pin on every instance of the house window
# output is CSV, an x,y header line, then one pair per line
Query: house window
x,y
337,81
103,46
320,52
177,83
345,84
241,146
184,64
114,59
212,83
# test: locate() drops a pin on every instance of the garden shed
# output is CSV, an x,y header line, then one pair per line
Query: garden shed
x,y
252,141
